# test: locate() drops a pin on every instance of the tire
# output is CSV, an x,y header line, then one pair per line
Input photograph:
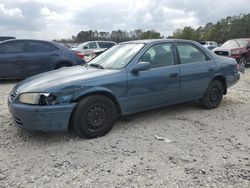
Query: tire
x,y
213,96
94,116
243,61
62,65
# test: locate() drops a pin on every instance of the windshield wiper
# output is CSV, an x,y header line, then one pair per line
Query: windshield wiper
x,y
96,66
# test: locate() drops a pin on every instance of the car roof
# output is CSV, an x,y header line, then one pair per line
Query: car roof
x,y
148,41
99,41
27,40
241,39
60,46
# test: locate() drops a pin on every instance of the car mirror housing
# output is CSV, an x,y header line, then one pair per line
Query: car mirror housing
x,y
141,66
248,47
85,47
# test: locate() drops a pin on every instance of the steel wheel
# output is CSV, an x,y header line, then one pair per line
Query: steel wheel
x,y
96,116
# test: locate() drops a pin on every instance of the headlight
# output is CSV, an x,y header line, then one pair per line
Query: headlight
x,y
38,98
235,52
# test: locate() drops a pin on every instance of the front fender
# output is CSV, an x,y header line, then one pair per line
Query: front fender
x,y
91,90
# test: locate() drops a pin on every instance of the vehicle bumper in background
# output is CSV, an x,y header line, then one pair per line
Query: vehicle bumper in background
x,y
41,118
231,80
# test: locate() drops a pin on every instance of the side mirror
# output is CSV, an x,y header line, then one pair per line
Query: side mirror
x,y
248,47
141,66
85,47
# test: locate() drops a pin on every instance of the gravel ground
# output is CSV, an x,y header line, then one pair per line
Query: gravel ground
x,y
203,148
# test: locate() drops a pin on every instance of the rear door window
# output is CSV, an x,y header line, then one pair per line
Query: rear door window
x,y
13,47
105,44
36,47
92,45
188,53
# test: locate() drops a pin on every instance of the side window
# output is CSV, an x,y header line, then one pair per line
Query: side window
x,y
159,55
92,45
13,47
190,54
105,44
36,47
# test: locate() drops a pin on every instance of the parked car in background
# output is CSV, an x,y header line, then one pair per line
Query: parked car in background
x,y
91,47
238,49
24,58
93,55
209,44
3,38
129,77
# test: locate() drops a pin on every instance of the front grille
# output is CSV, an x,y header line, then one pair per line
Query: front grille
x,y
225,53
13,95
18,121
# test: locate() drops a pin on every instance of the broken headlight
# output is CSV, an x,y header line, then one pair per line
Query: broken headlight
x,y
38,98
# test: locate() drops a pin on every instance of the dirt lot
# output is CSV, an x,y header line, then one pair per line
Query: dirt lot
x,y
210,148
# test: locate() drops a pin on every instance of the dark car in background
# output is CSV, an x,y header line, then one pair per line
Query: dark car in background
x,y
24,58
129,77
3,38
238,49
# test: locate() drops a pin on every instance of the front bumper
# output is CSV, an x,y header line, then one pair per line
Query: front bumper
x,y
41,118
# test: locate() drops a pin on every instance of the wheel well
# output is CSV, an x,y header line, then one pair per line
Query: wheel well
x,y
224,83
106,94
244,55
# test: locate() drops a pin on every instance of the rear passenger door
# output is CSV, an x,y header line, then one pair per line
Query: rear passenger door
x,y
196,70
42,57
13,59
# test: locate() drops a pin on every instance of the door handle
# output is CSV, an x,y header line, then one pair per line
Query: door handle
x,y
173,75
210,69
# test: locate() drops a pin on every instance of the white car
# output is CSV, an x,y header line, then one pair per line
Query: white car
x,y
209,44
91,47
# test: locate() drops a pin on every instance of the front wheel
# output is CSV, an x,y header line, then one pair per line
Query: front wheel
x,y
94,116
213,96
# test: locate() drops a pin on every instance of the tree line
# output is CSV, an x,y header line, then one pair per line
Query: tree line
x,y
224,29
117,36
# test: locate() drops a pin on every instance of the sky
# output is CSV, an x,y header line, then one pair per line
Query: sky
x,y
56,19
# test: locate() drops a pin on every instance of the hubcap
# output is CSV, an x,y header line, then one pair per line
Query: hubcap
x,y
214,93
243,62
96,116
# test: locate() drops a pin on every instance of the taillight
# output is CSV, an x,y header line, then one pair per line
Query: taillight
x,y
79,54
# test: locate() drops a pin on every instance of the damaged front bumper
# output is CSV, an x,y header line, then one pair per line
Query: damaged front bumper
x,y
41,118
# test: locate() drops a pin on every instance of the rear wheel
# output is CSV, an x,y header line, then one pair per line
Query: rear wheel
x,y
213,96
94,116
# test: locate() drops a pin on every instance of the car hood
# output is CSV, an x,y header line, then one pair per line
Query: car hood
x,y
62,79
221,49
228,49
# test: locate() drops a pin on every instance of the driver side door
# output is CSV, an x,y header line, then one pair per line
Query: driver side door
x,y
157,86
